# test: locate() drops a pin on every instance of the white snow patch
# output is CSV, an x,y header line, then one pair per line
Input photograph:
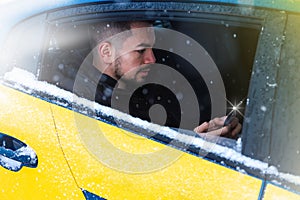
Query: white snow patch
x,y
29,80
263,108
289,177
10,163
239,144
27,151
272,85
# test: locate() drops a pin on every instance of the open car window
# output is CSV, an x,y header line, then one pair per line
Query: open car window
x,y
229,49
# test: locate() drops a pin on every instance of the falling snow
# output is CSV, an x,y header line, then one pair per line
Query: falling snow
x,y
263,108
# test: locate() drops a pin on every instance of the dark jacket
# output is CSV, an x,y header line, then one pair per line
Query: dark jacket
x,y
93,85
90,83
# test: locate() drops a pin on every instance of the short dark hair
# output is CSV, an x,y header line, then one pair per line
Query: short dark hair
x,y
104,30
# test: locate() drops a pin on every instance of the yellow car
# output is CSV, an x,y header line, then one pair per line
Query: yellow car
x,y
216,57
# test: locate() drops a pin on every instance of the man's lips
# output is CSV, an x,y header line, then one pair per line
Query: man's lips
x,y
144,70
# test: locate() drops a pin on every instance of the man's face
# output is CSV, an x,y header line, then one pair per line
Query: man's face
x,y
136,55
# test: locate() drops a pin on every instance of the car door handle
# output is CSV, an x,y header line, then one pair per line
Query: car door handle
x,y
15,154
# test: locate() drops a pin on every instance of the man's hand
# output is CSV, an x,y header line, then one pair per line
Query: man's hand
x,y
216,127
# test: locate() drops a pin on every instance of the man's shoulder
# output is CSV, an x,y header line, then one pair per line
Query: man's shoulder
x,y
90,83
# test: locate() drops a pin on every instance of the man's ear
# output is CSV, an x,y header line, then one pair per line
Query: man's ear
x,y
106,52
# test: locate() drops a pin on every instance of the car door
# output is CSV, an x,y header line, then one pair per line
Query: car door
x,y
114,163
114,158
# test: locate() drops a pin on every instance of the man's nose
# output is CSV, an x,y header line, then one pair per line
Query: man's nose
x,y
149,57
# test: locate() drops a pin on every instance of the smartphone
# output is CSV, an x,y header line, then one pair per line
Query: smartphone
x,y
229,118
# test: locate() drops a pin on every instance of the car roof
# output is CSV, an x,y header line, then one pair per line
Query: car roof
x,y
14,11
35,6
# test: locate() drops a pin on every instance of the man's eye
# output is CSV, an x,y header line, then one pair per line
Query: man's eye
x,y
141,51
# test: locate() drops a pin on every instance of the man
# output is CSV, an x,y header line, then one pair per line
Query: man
x,y
122,57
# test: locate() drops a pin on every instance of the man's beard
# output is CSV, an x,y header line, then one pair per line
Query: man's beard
x,y
118,71
128,82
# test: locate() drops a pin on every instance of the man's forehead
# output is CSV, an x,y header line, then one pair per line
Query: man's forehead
x,y
143,36
148,31
140,24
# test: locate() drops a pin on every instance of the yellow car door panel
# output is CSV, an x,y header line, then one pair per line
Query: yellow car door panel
x,y
183,177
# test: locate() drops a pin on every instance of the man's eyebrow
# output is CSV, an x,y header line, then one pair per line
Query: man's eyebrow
x,y
144,45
